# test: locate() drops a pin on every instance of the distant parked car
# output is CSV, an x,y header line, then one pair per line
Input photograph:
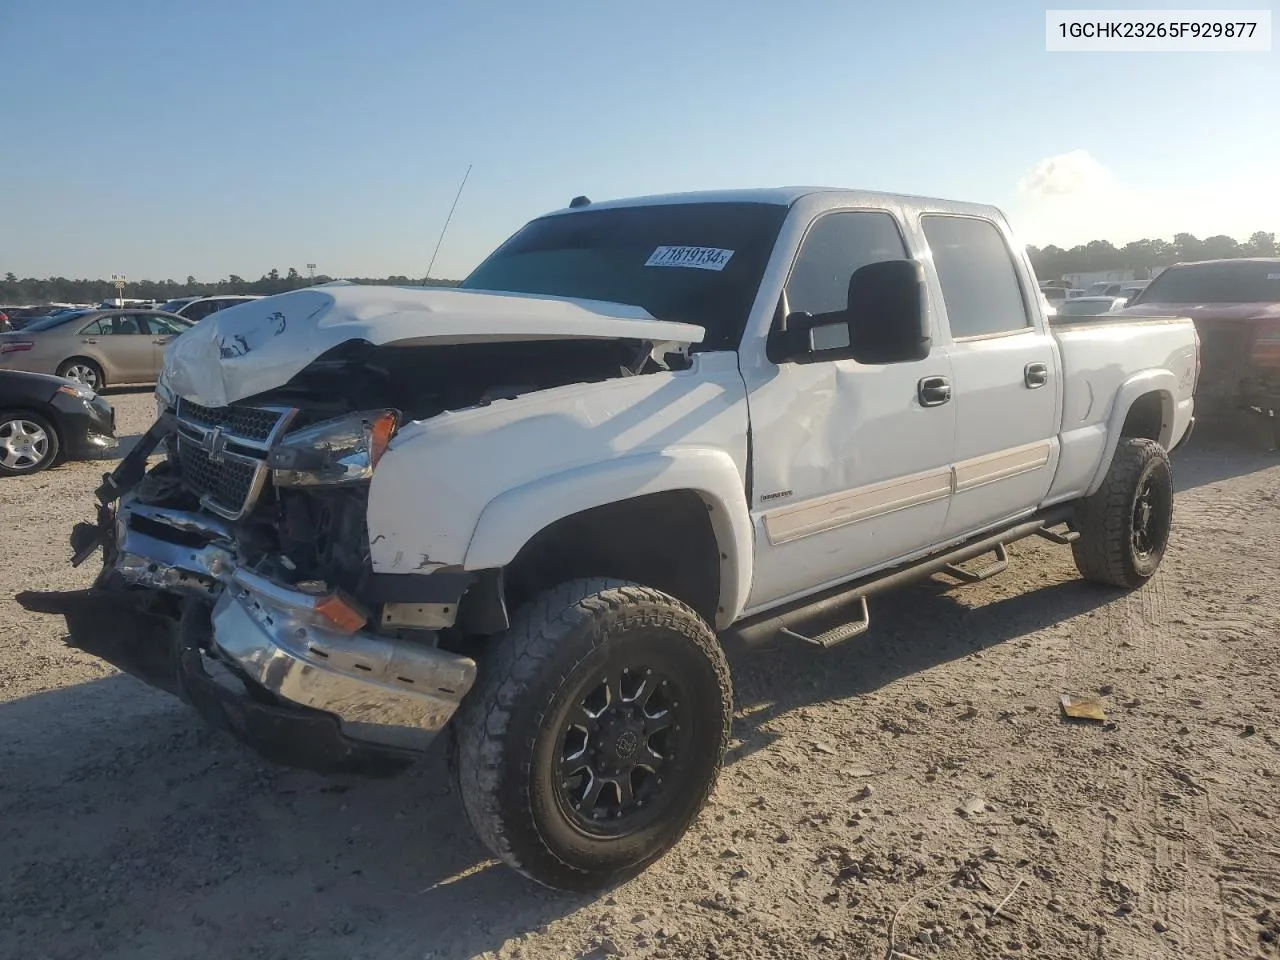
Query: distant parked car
x,y
196,309
1117,288
1090,306
94,347
46,419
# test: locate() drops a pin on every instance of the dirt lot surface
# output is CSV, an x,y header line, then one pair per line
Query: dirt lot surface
x,y
896,790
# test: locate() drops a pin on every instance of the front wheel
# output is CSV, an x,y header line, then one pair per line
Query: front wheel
x,y
594,734
28,443
1124,526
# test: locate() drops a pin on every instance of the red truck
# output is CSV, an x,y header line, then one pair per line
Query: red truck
x,y
1235,305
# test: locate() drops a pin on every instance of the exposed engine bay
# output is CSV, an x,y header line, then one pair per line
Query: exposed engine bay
x,y
317,532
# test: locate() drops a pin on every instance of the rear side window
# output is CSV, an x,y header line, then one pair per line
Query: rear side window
x,y
979,283
836,246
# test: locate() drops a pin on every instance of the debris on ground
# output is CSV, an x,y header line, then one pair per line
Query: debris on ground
x,y
1083,708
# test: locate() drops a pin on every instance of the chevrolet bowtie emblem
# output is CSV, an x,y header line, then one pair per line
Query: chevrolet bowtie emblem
x,y
214,444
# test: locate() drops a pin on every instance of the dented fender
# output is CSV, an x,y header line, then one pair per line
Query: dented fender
x,y
438,493
512,519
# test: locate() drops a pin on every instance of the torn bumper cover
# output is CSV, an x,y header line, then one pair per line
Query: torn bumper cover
x,y
253,656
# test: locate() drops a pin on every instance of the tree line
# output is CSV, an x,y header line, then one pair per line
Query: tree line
x,y
1140,256
1050,262
31,290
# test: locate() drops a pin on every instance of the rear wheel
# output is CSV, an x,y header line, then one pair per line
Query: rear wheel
x,y
84,372
1124,526
28,443
594,734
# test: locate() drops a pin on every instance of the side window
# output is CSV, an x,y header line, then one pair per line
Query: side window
x,y
836,245
164,326
199,310
97,328
128,323
979,283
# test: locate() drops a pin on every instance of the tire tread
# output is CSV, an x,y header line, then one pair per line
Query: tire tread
x,y
1102,552
516,662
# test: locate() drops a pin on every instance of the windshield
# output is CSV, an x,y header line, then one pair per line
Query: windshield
x,y
1242,281
697,263
53,320
174,305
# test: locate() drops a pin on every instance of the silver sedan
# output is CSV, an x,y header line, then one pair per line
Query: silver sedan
x,y
94,347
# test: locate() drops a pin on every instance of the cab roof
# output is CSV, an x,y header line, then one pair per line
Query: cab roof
x,y
780,196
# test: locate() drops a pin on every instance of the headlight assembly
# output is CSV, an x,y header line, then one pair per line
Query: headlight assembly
x,y
338,451
77,391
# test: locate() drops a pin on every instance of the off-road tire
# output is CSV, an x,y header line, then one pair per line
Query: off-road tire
x,y
507,729
1105,553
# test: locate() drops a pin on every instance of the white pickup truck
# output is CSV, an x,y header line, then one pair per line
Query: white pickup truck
x,y
526,507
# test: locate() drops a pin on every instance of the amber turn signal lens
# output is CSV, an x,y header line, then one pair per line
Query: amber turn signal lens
x,y
342,615
381,429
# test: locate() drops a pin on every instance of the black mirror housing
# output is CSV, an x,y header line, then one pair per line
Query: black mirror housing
x,y
885,321
888,319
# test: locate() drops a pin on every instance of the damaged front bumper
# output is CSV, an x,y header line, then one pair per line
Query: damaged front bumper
x,y
175,608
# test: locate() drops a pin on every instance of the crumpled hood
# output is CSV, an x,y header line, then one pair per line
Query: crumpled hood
x,y
247,349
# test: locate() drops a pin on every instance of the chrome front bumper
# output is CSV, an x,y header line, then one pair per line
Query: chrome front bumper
x,y
382,690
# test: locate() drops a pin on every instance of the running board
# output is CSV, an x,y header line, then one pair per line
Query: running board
x,y
1061,539
777,622
835,635
982,573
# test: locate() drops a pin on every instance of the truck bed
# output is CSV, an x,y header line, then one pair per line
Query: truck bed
x,y
1101,354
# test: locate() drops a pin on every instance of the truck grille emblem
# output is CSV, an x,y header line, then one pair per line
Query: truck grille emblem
x,y
214,444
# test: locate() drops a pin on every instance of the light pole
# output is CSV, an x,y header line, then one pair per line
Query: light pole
x,y
119,280
311,269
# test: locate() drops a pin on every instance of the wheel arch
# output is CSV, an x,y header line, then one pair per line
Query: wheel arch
x,y
87,358
1144,407
685,509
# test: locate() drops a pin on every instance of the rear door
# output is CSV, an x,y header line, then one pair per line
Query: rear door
x,y
1006,375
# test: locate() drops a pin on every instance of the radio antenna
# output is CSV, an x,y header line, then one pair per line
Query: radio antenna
x,y
446,224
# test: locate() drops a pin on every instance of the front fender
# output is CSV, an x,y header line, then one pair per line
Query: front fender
x,y
511,520
1162,382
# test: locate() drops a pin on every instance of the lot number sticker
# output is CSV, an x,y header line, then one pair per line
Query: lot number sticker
x,y
699,258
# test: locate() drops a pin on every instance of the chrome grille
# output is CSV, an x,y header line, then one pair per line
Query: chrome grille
x,y
222,451
251,423
226,484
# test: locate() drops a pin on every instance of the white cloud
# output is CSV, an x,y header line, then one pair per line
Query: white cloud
x,y
1073,198
1076,172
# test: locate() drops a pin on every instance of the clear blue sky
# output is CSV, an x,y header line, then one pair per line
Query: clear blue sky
x,y
160,138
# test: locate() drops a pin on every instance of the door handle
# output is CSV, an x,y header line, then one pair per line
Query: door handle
x,y
1035,375
161,340
933,391
88,340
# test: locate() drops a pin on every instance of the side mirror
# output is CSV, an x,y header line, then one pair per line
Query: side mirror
x,y
887,316
884,321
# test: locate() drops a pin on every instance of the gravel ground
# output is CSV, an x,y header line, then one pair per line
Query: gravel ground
x,y
892,792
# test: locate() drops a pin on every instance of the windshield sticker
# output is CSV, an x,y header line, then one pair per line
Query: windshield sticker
x,y
699,258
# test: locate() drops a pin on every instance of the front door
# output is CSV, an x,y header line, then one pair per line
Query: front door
x,y
162,330
1006,377
850,470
